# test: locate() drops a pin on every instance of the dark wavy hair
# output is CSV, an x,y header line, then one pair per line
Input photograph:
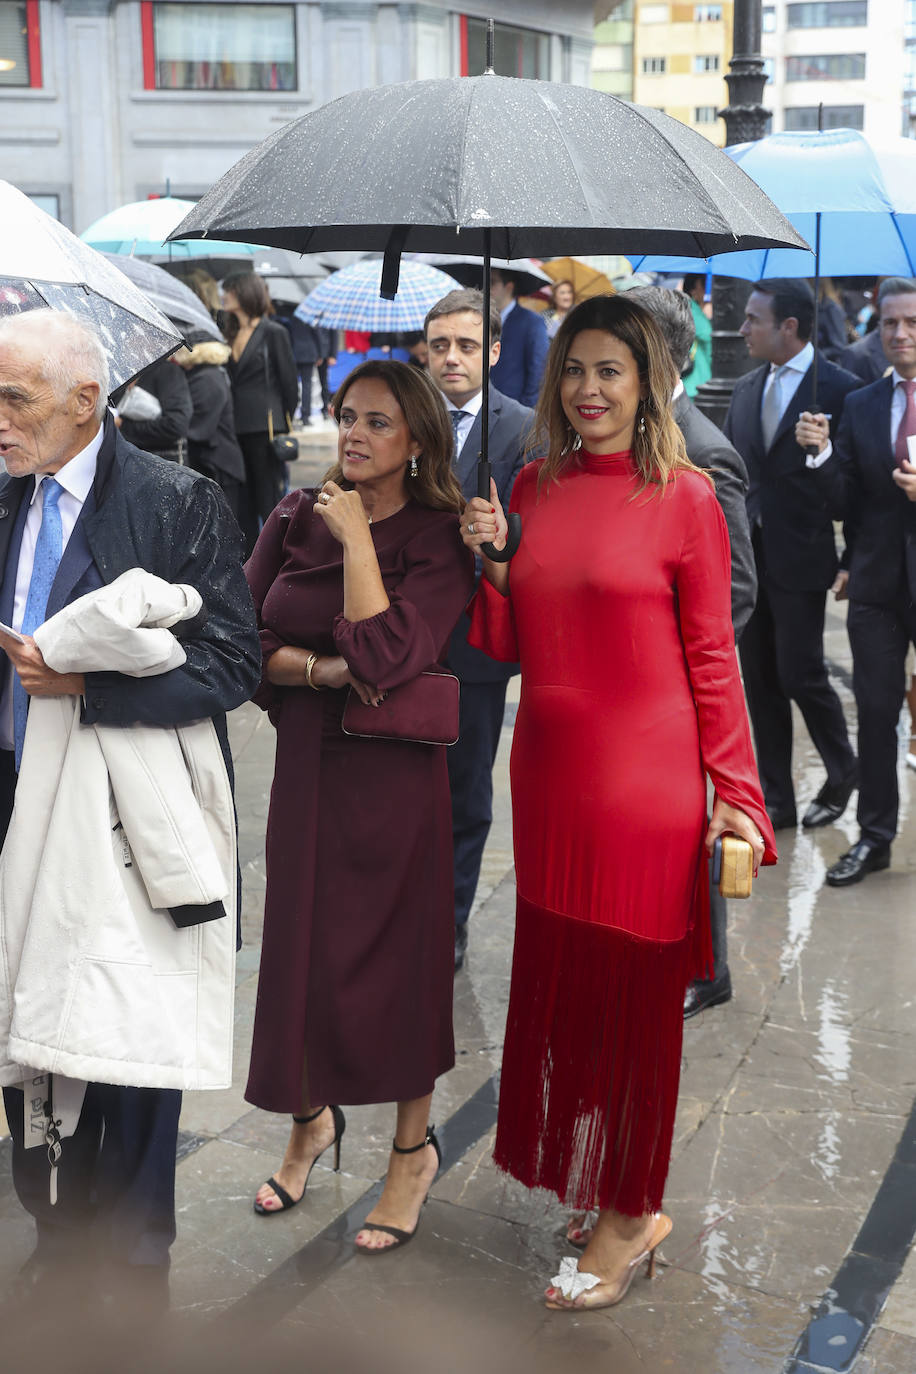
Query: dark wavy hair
x,y
435,484
658,451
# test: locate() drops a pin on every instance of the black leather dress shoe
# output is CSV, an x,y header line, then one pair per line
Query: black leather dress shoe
x,y
782,818
830,803
862,859
711,992
461,946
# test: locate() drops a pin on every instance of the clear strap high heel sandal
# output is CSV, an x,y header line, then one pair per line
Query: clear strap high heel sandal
x,y
575,1290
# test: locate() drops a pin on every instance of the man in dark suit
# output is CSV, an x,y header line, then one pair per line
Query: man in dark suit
x,y
524,343
79,505
782,647
454,337
866,357
870,474
708,447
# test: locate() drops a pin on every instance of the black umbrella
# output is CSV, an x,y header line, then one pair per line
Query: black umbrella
x,y
492,166
167,293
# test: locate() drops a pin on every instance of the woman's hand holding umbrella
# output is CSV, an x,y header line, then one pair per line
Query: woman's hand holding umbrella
x,y
484,522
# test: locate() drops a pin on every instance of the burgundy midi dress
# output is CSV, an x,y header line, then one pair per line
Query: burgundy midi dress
x,y
619,612
355,990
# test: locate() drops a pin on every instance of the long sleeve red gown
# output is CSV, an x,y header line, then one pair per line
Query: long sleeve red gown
x,y
619,612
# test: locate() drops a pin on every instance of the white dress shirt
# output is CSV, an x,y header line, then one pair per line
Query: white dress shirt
x,y
789,379
471,410
76,478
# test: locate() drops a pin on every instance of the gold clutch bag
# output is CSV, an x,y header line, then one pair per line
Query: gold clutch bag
x,y
733,866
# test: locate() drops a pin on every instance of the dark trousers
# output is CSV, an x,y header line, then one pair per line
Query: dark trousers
x,y
718,917
470,775
325,392
879,637
116,1176
265,484
782,660
305,371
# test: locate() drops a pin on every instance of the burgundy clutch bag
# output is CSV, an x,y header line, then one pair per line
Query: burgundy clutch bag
x,y
424,711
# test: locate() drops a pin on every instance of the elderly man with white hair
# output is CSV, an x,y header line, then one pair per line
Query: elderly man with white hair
x,y
80,507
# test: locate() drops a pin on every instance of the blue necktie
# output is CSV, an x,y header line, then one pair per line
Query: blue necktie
x,y
48,549
456,417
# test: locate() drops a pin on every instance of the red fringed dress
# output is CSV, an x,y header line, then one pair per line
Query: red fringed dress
x,y
619,612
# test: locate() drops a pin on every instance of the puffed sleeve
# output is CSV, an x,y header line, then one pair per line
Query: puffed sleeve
x,y
492,622
261,571
703,584
411,635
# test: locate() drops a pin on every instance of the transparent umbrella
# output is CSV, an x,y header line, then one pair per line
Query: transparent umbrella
x,y
43,264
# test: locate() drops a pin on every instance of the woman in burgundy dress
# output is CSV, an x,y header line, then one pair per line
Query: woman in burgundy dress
x,y
617,606
358,586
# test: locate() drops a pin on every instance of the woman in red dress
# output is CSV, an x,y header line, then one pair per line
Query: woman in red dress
x,y
359,586
617,606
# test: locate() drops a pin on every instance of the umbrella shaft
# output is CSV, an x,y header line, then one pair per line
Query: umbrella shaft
x,y
483,467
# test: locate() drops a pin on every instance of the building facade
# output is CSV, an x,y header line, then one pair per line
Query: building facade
x,y
848,55
856,57
108,101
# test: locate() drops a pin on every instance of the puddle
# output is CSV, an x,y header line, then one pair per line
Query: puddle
x,y
806,877
834,1052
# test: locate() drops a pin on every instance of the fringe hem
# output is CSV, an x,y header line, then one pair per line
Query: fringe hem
x,y
592,1060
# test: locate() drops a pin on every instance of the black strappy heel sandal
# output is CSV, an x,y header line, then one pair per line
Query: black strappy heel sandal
x,y
402,1237
286,1201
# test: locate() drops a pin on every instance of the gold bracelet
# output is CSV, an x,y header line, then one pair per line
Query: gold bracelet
x,y
309,665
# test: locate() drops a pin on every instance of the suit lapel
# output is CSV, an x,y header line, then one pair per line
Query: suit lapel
x,y
14,507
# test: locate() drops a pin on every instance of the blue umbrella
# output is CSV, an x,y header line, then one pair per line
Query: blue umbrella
x,y
140,229
349,299
863,192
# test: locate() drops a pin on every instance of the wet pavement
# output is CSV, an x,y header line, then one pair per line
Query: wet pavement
x,y
792,1181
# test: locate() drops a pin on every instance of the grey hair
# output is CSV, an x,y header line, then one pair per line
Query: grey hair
x,y
68,349
671,312
895,286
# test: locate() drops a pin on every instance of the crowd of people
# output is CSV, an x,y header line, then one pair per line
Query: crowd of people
x,y
652,543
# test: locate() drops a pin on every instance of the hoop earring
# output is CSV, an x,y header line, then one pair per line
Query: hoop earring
x,y
414,470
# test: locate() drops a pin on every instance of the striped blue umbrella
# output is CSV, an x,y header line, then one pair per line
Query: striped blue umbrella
x,y
349,299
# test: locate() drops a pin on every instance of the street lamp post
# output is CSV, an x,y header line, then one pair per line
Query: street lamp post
x,y
745,121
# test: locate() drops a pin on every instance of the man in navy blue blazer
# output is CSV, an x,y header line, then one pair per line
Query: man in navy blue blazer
x,y
519,368
869,474
116,508
454,336
782,646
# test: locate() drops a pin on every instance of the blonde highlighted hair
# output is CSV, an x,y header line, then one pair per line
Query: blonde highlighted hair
x,y
658,445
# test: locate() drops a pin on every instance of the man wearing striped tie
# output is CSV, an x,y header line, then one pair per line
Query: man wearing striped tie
x,y
79,505
869,476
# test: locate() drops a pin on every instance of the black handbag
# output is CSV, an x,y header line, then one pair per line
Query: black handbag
x,y
285,447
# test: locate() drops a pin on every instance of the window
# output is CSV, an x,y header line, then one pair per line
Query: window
x,y
707,14
49,203
235,47
517,52
768,19
20,45
706,64
831,67
769,68
654,66
828,14
804,117
704,114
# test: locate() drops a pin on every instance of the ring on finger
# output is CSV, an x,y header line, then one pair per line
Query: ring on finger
x,y
471,528
325,498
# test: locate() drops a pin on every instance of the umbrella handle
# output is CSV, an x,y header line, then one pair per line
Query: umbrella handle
x,y
812,450
514,534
